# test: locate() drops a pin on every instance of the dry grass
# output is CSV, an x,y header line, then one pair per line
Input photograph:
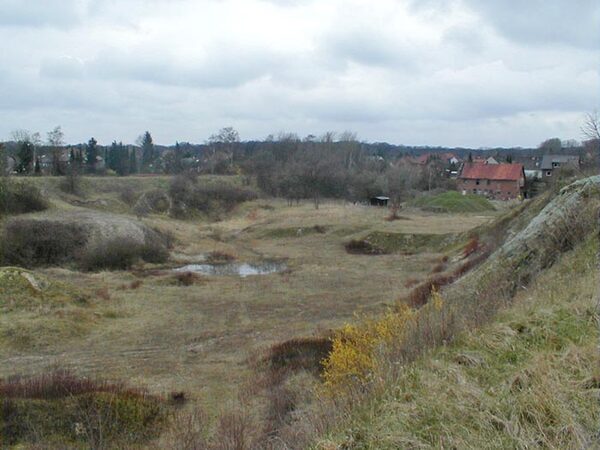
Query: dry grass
x,y
178,337
524,381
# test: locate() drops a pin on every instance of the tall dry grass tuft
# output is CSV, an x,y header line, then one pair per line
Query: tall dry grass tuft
x,y
59,384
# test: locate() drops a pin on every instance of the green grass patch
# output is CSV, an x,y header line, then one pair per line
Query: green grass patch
x,y
453,202
380,242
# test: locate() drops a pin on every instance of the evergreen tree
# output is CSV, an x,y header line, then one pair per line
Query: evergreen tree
x,y
25,155
112,159
148,154
173,160
132,161
91,151
79,157
122,167
470,158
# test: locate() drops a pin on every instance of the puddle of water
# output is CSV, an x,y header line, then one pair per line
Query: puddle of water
x,y
236,269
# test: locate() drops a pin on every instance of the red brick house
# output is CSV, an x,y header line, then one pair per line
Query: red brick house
x,y
497,181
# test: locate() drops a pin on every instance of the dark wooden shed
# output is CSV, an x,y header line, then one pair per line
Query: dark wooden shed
x,y
379,201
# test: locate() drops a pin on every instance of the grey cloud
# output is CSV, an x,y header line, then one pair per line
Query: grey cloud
x,y
544,22
369,46
39,13
223,67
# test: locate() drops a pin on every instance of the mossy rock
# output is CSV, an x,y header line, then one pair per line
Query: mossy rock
x,y
24,289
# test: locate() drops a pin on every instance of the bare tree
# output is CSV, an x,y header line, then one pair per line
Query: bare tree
x,y
591,132
55,142
225,143
3,179
591,126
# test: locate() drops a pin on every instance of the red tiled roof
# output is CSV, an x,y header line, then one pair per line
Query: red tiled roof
x,y
492,171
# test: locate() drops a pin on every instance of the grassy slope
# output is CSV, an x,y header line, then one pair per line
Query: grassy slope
x,y
529,379
455,202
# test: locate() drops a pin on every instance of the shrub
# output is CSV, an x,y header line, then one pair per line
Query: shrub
x,y
299,353
471,247
186,278
410,282
219,257
188,195
154,201
118,253
28,243
353,357
103,293
363,247
71,182
121,253
62,407
438,268
21,197
154,252
128,195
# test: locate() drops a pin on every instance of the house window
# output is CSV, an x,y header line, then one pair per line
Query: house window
x,y
548,173
555,164
477,182
489,182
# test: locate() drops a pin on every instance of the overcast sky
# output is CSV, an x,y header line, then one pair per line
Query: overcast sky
x,y
423,72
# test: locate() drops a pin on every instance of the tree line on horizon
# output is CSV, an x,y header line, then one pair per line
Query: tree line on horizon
x,y
334,165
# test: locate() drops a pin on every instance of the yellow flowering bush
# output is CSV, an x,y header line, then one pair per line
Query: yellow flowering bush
x,y
356,348
354,356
